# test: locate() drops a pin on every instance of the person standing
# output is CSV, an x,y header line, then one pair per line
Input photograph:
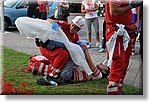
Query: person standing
x,y
33,9
62,11
43,9
141,30
118,32
89,8
135,12
103,48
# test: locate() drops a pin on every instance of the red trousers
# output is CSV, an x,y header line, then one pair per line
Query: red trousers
x,y
58,57
120,59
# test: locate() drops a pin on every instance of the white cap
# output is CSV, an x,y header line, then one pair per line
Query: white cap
x,y
79,21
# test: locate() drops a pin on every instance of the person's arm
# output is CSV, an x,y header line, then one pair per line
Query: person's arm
x,y
96,7
116,10
49,44
138,16
51,20
88,58
83,9
64,5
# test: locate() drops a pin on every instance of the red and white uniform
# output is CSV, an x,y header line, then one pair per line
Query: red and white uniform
x,y
66,29
58,57
43,67
120,60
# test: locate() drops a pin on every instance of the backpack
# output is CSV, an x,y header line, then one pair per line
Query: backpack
x,y
38,64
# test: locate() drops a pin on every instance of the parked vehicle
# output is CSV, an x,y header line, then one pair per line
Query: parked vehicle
x,y
17,8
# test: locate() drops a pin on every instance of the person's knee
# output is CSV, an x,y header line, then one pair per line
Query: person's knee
x,y
67,72
66,75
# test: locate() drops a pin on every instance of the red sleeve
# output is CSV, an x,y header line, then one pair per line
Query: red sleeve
x,y
62,23
76,38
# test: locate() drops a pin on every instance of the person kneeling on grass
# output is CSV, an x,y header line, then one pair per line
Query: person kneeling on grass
x,y
70,73
56,52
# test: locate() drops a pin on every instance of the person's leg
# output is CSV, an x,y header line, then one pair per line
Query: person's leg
x,y
44,16
117,68
118,61
104,35
103,48
141,43
40,15
36,13
60,61
133,40
30,13
58,58
96,26
67,71
89,25
125,65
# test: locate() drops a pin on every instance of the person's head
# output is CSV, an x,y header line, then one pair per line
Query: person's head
x,y
77,23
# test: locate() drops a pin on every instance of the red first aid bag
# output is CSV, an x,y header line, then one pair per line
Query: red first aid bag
x,y
39,62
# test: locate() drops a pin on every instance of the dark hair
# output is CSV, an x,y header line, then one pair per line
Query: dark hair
x,y
77,26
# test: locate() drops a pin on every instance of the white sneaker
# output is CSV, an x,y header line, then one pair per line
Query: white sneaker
x,y
133,53
89,45
102,50
98,44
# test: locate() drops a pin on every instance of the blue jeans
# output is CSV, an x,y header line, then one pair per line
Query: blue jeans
x,y
67,72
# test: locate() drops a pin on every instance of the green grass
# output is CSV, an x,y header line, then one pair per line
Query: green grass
x,y
15,62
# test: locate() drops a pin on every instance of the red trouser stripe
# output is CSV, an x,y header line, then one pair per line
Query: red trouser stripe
x,y
112,90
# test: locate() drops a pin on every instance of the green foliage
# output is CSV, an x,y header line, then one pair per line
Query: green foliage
x,y
15,62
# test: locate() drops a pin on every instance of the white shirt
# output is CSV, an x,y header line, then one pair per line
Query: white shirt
x,y
91,14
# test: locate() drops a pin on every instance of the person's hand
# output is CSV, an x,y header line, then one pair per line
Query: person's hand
x,y
90,9
27,6
50,20
135,3
60,4
102,68
38,7
44,45
37,42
